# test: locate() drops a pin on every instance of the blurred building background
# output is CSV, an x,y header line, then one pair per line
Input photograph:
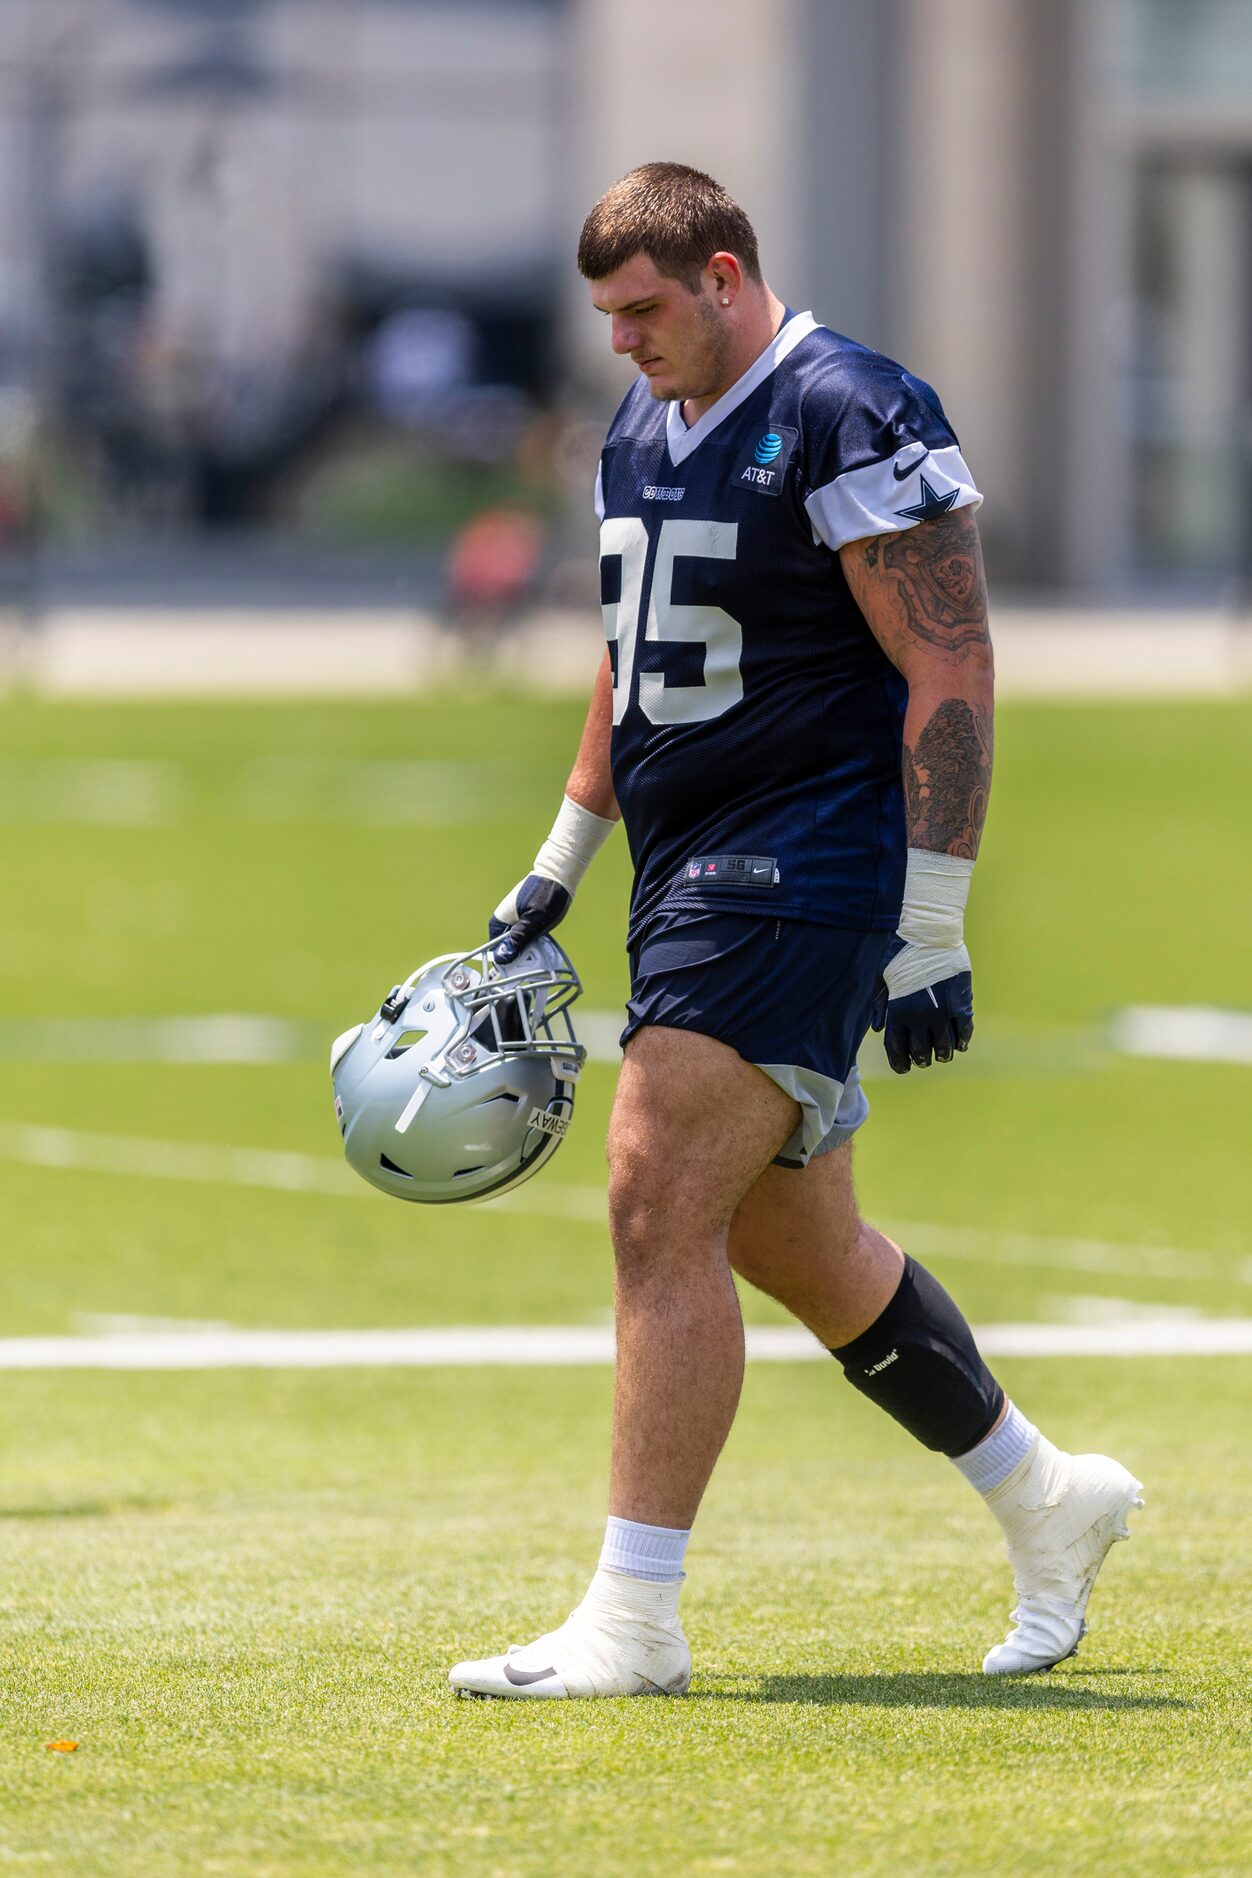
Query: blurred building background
x,y
288,284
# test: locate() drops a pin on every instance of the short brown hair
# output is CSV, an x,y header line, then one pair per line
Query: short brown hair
x,y
675,215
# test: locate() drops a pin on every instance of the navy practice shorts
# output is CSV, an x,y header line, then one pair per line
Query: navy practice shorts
x,y
790,996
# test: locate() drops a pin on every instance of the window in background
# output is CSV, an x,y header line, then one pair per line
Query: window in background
x,y
1191,404
1201,48
1186,104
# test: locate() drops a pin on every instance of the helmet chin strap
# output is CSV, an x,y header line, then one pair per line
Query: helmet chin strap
x,y
413,1104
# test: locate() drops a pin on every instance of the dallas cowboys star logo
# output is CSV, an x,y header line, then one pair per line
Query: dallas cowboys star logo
x,y
930,505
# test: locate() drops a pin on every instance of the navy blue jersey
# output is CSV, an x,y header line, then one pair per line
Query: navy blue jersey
x,y
756,721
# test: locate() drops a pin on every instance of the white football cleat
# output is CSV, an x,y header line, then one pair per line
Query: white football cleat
x,y
1061,1514
625,1638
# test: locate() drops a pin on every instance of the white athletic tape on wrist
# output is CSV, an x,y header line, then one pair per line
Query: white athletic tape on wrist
x,y
932,922
576,838
918,966
936,887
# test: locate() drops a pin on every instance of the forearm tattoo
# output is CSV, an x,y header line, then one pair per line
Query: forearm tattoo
x,y
924,599
935,572
947,779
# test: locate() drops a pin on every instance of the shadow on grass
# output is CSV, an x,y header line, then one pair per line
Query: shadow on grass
x,y
927,1689
87,1509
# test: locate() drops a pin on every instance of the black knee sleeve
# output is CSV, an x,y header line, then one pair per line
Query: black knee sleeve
x,y
919,1361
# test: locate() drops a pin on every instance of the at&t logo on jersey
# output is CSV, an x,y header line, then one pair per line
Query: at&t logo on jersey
x,y
767,465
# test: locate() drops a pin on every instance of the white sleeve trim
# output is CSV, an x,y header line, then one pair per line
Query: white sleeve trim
x,y
877,498
598,498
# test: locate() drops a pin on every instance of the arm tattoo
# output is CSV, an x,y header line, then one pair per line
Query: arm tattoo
x,y
923,597
934,573
947,779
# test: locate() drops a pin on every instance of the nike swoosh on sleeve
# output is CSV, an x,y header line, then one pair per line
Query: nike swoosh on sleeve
x,y
909,467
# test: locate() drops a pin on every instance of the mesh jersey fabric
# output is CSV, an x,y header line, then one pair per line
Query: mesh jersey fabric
x,y
757,722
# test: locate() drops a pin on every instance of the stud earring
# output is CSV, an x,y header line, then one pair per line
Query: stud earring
x,y
725,302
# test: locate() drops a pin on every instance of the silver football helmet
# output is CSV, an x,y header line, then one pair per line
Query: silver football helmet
x,y
462,1085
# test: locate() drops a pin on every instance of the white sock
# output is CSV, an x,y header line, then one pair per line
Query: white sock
x,y
652,1552
989,1465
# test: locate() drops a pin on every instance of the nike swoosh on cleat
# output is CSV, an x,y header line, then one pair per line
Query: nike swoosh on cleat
x,y
520,1677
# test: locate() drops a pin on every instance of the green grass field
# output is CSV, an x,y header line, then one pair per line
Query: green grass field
x,y
239,1591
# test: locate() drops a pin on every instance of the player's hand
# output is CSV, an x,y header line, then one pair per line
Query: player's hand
x,y
534,907
543,898
928,1021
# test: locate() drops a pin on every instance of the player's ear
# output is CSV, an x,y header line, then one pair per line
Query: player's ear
x,y
724,277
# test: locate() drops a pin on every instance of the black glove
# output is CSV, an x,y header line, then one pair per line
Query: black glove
x,y
534,907
927,1025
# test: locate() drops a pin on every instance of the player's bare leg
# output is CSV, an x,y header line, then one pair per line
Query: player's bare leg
x,y
693,1127
798,1236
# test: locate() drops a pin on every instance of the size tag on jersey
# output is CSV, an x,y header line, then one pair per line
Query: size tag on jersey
x,y
765,465
751,871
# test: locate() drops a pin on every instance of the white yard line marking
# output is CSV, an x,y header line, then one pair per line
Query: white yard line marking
x,y
211,1037
1043,1251
1193,1033
563,1346
130,1324
422,792
268,1168
1202,1336
175,1160
314,1349
105,792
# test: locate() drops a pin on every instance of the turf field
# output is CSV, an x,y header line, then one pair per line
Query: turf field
x,y
238,1590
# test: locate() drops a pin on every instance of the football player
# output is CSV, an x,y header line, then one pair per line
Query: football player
x,y
794,721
